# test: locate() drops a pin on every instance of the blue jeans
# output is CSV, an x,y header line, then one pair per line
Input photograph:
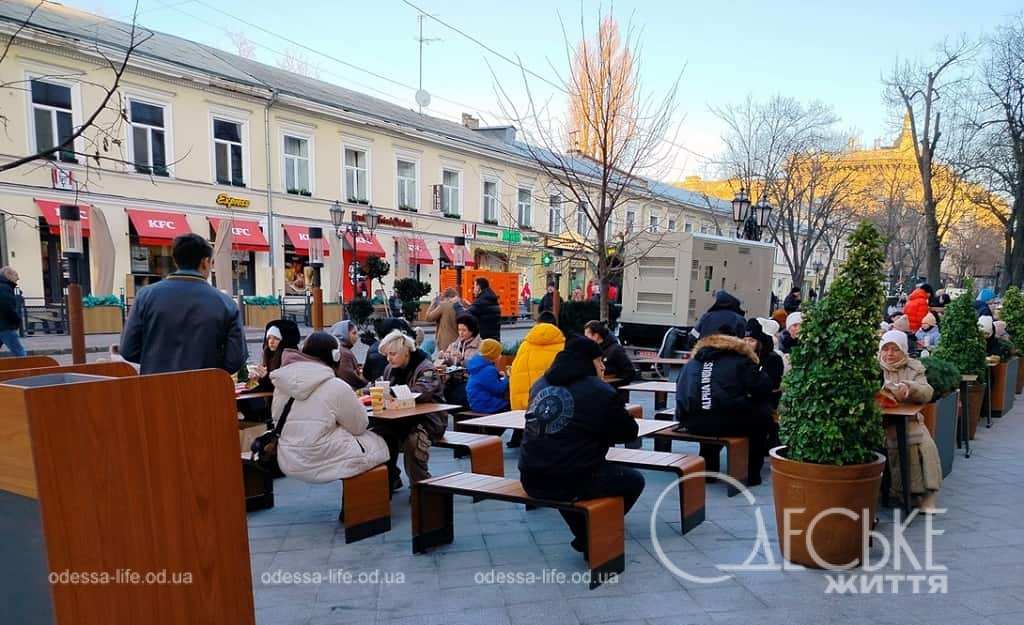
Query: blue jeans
x,y
11,340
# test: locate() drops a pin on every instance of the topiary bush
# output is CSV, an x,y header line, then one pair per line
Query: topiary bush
x,y
262,300
943,376
92,301
1013,313
961,342
410,290
359,310
828,413
511,349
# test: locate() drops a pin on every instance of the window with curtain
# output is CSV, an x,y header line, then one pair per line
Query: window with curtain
x,y
491,201
525,205
582,221
148,149
227,149
555,214
52,119
296,165
450,185
406,191
357,176
630,220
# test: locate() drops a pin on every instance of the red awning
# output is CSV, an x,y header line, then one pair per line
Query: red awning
x,y
366,245
448,251
156,228
418,252
247,235
51,213
299,236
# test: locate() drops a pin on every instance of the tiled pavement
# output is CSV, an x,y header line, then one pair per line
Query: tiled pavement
x,y
982,545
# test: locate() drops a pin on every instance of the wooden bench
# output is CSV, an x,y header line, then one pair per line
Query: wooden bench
x,y
691,490
259,485
484,451
736,451
366,504
433,519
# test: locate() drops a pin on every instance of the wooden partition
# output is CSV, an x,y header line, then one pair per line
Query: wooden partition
x,y
27,362
107,368
131,485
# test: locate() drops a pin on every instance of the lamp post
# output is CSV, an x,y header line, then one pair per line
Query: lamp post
x,y
354,228
71,244
817,267
459,260
316,261
750,220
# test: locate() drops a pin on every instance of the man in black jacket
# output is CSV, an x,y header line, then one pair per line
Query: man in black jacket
x,y
616,361
793,301
486,310
182,323
572,420
10,318
725,315
718,395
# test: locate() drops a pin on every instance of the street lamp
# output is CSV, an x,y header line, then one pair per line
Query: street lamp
x,y
316,261
354,228
459,260
750,221
817,267
73,248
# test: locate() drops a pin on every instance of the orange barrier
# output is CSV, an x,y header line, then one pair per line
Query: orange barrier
x,y
504,284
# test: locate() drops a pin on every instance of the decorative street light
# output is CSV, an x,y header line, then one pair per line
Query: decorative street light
x,y
817,266
316,261
459,260
750,220
371,218
73,248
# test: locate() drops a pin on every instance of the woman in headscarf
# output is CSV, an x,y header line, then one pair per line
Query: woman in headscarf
x,y
905,380
348,367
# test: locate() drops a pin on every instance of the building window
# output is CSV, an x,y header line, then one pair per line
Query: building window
x,y
652,223
52,119
296,165
148,148
671,225
491,201
451,189
609,229
688,227
407,199
555,214
582,221
525,205
705,228
630,220
227,147
357,176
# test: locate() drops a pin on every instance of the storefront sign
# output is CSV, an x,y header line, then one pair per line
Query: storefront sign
x,y
437,197
394,222
227,201
547,259
487,233
63,179
469,231
140,259
512,236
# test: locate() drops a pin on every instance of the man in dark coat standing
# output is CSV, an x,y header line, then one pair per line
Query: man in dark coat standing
x,y
10,318
182,323
486,310
793,301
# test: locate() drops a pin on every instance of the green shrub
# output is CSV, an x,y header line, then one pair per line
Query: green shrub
x,y
91,301
511,349
1013,313
961,342
828,413
359,310
943,375
410,290
375,269
262,300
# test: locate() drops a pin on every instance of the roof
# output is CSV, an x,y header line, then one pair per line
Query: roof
x,y
61,21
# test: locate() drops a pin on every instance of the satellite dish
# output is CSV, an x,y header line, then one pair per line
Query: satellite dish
x,y
423,98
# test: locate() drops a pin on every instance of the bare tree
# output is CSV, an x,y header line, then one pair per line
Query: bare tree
x,y
98,138
790,154
600,188
241,44
927,95
295,61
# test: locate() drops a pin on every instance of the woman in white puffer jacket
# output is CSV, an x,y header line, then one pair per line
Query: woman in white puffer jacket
x,y
325,437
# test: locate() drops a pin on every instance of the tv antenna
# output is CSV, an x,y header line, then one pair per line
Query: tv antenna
x,y
422,97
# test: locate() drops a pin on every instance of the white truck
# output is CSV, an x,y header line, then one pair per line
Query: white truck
x,y
675,279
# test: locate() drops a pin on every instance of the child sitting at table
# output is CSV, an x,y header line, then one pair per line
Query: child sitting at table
x,y
905,380
486,390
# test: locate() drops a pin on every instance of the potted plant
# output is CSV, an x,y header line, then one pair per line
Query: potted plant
x,y
508,354
359,311
102,314
940,414
830,425
1013,315
961,344
261,310
1002,397
410,290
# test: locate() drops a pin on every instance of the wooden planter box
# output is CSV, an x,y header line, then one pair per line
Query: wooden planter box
x,y
102,320
260,316
940,419
1010,388
332,314
1020,378
998,382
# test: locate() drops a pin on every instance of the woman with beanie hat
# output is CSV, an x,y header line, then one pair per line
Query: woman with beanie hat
x,y
790,337
487,390
928,335
280,335
348,367
760,337
905,380
572,420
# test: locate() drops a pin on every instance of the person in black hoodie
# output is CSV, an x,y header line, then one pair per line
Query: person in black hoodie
x,y
616,360
725,315
376,363
721,392
572,420
793,301
486,310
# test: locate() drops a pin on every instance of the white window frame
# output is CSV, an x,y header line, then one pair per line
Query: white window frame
x,y
365,149
555,223
630,221
497,199
458,191
167,129
519,207
582,221
311,150
688,226
243,134
76,109
653,223
400,156
672,224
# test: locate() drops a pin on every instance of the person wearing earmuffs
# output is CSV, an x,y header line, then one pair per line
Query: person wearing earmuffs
x,y
325,436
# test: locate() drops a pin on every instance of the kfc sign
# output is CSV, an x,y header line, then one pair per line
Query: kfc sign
x,y
161,224
241,232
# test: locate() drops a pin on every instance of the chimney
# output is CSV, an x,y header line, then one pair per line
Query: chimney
x,y
470,122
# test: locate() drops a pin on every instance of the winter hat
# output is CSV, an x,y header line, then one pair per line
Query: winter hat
x,y
1000,328
793,319
780,317
896,337
761,329
573,363
340,331
986,325
901,323
490,349
928,320
986,295
274,331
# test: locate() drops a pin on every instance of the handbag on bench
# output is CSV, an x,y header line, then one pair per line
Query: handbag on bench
x,y
264,448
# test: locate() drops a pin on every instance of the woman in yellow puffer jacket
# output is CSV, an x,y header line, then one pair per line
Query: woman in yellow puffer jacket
x,y
533,359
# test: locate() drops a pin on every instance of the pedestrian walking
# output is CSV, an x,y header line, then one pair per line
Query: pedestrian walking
x,y
10,317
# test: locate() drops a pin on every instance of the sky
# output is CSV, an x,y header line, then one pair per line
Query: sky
x,y
832,51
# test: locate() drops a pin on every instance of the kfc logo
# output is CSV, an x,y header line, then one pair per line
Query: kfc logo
x,y
162,224
240,232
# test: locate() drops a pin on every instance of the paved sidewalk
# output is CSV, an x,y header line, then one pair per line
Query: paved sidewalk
x,y
981,543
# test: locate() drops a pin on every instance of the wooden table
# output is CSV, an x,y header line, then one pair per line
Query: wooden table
x,y
658,360
516,420
661,391
898,415
254,395
415,411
